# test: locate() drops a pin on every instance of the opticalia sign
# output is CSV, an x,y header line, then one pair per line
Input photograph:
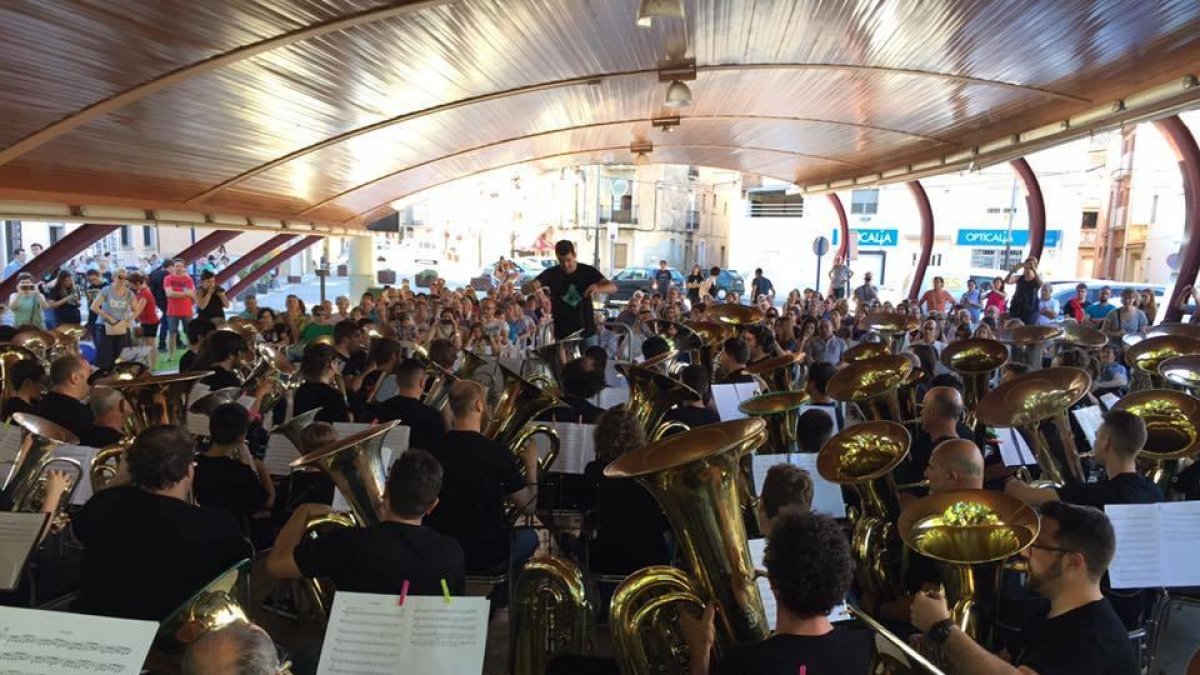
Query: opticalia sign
x,y
1000,239
871,237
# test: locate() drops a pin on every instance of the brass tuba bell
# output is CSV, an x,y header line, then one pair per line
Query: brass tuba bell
x,y
1172,433
972,533
1029,342
355,464
694,478
551,614
520,402
893,327
158,399
873,386
1182,371
779,410
652,395
865,350
1084,337
1145,356
735,315
554,355
777,373
25,488
36,340
10,354
293,429
976,361
221,602
712,338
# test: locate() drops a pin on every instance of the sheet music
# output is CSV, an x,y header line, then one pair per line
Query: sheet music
x,y
1156,544
1014,450
728,397
374,635
827,496
279,455
37,642
758,549
576,447
828,410
10,442
1109,400
83,455
19,533
1089,419
611,397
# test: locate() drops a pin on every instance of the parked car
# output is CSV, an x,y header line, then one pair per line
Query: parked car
x,y
1064,290
731,282
529,269
632,279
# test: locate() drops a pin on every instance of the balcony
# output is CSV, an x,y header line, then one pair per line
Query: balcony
x,y
693,220
1087,237
620,216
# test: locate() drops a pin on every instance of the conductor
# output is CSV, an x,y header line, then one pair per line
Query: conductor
x,y
571,286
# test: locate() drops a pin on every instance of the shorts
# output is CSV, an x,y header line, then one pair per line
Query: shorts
x,y
174,322
150,330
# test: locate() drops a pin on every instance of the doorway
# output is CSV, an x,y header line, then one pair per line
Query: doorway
x,y
620,256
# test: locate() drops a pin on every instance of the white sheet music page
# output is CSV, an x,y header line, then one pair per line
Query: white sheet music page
x,y
1179,523
19,533
760,465
1014,450
372,634
1109,400
1089,419
37,642
396,440
10,442
576,446
758,549
1138,561
280,454
827,497
727,397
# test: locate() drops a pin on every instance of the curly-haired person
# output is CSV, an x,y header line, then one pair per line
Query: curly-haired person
x,y
809,566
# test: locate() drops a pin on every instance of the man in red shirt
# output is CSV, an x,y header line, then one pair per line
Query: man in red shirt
x,y
1077,304
181,296
937,299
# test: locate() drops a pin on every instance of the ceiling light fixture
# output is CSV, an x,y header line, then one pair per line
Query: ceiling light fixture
x,y
649,10
641,159
641,152
679,95
665,124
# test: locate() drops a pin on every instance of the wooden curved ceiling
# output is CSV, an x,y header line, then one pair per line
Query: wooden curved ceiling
x,y
327,110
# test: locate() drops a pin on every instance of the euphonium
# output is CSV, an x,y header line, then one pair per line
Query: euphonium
x,y
863,458
971,533
554,355
975,360
551,614
652,394
779,410
106,464
694,478
1027,401
294,428
158,399
1144,358
1172,431
873,386
520,402
777,372
9,355
1029,342
893,327
221,602
355,464
26,485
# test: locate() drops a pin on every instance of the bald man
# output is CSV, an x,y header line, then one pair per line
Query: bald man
x,y
941,410
956,464
240,647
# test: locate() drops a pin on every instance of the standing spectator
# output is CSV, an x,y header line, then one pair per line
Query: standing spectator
x,y
937,299
155,283
995,297
1048,309
148,319
64,299
181,295
868,293
761,286
91,290
708,287
839,277
1128,320
28,305
1077,305
662,280
972,300
1024,305
1099,310
117,305
1148,305
694,280
17,263
211,300
826,347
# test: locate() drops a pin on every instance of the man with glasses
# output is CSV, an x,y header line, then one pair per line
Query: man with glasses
x,y
1080,634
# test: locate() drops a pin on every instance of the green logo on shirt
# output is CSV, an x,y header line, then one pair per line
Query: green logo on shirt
x,y
572,297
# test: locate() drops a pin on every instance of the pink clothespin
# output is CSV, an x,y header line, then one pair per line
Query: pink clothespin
x,y
403,593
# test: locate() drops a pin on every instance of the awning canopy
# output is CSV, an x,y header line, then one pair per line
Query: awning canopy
x,y
320,113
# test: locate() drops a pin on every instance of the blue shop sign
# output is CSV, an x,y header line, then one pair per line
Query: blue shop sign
x,y
871,236
999,238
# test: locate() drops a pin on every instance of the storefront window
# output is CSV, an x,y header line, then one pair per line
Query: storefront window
x,y
994,258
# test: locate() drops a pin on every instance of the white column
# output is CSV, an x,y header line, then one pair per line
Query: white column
x,y
362,266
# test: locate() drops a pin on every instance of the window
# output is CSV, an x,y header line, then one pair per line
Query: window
x,y
995,211
148,237
775,204
864,202
1089,220
126,239
993,258
56,233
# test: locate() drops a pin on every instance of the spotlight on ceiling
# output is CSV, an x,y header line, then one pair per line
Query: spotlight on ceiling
x,y
641,159
641,152
650,10
679,95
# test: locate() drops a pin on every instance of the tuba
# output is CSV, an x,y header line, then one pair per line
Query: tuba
x,y
1172,432
220,603
863,458
293,429
976,361
266,366
1028,400
68,336
1084,337
552,614
972,533
355,464
1145,356
776,372
520,402
158,399
865,350
779,410
652,395
555,355
1185,329
694,478
471,366
873,385
712,337
1182,371
1029,342
118,372
36,340
893,327
735,315
26,485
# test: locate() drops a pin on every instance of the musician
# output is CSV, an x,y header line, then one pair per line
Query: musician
x,y
381,558
695,412
731,362
425,423
64,403
816,385
761,343
941,410
480,475
111,411
319,367
809,565
227,476
238,647
1081,634
786,486
654,346
581,380
26,382
813,429
571,286
146,549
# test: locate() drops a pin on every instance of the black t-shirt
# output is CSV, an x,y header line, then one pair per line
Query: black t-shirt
x,y
13,404
426,426
477,475
226,483
1025,298
69,413
1125,488
572,309
578,410
1088,640
187,361
694,293
912,469
220,379
145,554
693,416
155,281
68,312
98,437
320,395
842,651
380,559
215,309
662,282
630,525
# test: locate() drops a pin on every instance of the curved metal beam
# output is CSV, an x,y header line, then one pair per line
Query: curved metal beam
x,y
926,212
843,225
540,134
253,256
206,245
141,91
284,256
1035,205
1183,145
58,253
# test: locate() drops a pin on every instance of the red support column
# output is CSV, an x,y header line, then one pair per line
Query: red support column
x,y
1183,144
58,254
926,212
253,256
843,226
206,244
1035,204
278,260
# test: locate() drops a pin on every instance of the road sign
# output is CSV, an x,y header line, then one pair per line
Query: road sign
x,y
821,246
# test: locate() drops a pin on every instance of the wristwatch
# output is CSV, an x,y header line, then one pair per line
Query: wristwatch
x,y
940,631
